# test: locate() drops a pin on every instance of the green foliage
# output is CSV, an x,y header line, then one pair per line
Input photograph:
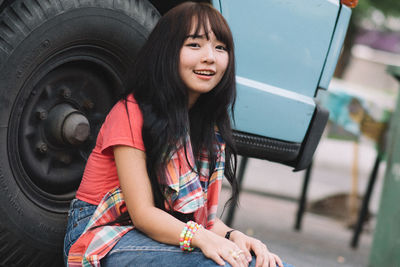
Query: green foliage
x,y
388,7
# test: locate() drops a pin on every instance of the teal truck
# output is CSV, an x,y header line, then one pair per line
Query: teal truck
x,y
63,64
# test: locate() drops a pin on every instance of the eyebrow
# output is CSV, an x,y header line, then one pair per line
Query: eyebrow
x,y
195,36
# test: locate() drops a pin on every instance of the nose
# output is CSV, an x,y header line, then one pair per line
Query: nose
x,y
208,55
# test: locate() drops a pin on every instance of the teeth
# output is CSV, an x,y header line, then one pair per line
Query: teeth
x,y
204,72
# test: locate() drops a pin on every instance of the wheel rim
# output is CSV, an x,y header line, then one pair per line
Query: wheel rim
x,y
56,120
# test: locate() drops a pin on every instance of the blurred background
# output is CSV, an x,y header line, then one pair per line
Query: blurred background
x,y
350,158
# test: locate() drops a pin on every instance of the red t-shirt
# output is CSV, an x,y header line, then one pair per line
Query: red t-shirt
x,y
100,174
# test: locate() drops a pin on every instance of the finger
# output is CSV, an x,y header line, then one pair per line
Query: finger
x,y
247,254
243,259
277,259
256,248
240,258
229,258
215,257
259,250
271,260
260,260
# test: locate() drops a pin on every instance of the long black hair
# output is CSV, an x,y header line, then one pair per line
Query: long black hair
x,y
163,97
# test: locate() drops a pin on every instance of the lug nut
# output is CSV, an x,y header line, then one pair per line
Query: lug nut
x,y
41,114
42,147
66,159
66,92
88,104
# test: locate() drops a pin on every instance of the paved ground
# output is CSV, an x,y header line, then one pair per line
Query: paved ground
x,y
268,207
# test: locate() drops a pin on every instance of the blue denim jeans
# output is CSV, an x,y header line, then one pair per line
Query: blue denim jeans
x,y
134,248
137,249
79,215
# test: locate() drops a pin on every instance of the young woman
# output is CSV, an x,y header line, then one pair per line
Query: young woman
x,y
166,146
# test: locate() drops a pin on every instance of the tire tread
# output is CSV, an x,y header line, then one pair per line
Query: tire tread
x,y
24,16
13,252
21,18
18,21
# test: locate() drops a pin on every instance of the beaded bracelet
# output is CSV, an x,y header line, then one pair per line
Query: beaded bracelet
x,y
187,235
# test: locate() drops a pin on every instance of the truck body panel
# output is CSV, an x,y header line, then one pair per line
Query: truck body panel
x,y
283,46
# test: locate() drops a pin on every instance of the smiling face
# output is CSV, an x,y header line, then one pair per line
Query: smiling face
x,y
202,63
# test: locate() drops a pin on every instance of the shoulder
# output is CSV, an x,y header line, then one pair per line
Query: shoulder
x,y
127,107
128,102
123,125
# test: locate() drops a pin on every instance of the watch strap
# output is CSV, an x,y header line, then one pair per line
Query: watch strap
x,y
228,234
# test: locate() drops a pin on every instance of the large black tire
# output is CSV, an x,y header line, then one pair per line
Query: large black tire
x,y
62,62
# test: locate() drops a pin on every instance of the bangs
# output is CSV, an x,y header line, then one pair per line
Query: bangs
x,y
205,16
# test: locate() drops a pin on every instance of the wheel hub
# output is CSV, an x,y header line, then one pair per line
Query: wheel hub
x,y
57,129
67,125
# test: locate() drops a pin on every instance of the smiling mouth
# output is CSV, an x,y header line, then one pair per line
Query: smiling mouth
x,y
204,72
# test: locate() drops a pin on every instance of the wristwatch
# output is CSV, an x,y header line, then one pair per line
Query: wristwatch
x,y
228,234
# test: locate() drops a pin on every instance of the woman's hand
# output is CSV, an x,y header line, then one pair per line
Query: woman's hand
x,y
219,249
264,258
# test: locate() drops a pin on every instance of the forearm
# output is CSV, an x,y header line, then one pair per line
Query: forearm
x,y
163,227
135,184
220,228
158,225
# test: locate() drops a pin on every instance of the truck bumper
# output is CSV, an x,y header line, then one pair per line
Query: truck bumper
x,y
296,155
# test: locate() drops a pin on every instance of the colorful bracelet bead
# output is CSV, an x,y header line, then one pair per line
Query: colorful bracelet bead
x,y
187,235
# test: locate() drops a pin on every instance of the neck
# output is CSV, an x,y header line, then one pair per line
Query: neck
x,y
192,99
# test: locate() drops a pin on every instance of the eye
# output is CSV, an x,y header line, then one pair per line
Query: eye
x,y
221,47
193,45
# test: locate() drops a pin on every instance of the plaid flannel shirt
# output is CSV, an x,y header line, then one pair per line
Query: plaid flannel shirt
x,y
191,191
